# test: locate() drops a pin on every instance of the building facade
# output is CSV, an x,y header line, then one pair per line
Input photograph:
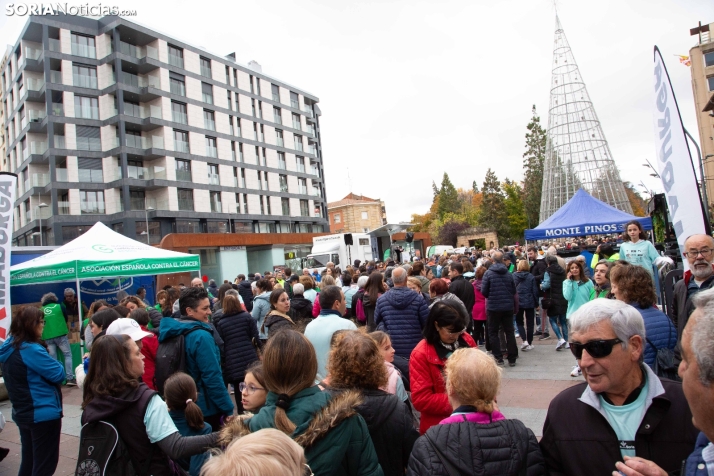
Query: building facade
x,y
356,214
106,120
702,67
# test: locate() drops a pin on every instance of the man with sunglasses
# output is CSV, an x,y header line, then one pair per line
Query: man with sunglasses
x,y
623,410
699,252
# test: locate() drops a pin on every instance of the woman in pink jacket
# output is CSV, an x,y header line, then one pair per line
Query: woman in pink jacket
x,y
480,331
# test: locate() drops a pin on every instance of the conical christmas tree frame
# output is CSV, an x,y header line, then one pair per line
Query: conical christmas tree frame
x,y
577,154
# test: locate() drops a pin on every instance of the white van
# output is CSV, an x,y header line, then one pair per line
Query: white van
x,y
334,248
439,250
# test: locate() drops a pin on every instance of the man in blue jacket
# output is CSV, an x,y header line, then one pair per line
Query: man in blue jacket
x,y
402,313
499,290
203,357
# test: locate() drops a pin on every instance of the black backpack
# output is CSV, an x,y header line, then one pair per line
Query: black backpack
x,y
102,452
171,358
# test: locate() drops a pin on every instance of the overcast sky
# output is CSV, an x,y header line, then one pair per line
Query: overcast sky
x,y
411,89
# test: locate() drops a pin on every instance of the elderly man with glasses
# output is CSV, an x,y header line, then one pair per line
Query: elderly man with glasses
x,y
623,410
699,252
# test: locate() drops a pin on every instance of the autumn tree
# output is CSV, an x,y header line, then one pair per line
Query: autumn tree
x,y
533,160
636,201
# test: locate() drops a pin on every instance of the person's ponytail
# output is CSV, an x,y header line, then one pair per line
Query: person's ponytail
x,y
194,415
180,394
282,422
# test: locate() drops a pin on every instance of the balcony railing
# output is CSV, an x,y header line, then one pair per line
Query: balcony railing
x,y
142,111
301,167
33,115
145,142
63,208
276,97
84,50
138,52
91,176
92,208
280,142
175,60
57,109
34,84
214,179
308,112
315,170
294,104
34,148
87,112
55,45
84,81
298,145
89,143
61,175
157,204
185,204
56,77
181,146
180,117
210,124
283,187
144,173
207,98
206,72
302,190
216,207
183,176
37,180
140,81
211,151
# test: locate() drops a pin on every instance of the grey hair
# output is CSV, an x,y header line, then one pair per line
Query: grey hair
x,y
626,321
298,288
231,292
399,276
497,256
48,298
69,291
703,339
362,281
253,285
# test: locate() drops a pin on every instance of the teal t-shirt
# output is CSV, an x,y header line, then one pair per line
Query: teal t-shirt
x,y
625,420
643,253
157,420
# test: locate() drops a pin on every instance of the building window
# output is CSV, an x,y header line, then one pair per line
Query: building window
x,y
185,199
179,112
181,141
177,83
83,46
304,208
294,102
365,216
213,177
205,67
230,125
217,227
216,206
175,56
281,161
709,58
90,170
262,133
276,92
230,102
240,151
300,163
88,138
233,151
267,205
285,205
279,138
296,121
298,143
86,108
91,202
84,76
207,93
337,218
238,130
302,186
242,178
183,170
255,131
186,226
245,204
211,147
711,83
283,179
209,120
277,117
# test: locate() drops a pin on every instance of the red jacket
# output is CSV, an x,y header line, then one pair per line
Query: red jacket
x,y
149,346
427,383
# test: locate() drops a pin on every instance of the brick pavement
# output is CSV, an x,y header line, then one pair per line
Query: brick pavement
x,y
526,391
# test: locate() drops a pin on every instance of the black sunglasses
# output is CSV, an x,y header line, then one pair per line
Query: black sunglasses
x,y
596,348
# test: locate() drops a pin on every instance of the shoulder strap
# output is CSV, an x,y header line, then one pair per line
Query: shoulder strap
x,y
650,343
444,462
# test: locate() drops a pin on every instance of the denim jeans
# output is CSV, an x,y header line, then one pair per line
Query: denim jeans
x,y
63,343
554,321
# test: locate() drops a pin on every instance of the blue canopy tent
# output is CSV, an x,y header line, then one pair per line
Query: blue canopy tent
x,y
584,215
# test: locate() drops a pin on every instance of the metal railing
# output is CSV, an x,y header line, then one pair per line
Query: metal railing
x,y
84,50
90,175
87,143
55,45
60,142
61,175
84,81
56,77
37,180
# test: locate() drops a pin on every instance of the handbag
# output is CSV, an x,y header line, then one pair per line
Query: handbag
x,y
665,365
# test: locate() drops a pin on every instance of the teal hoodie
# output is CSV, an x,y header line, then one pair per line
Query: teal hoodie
x,y
577,294
203,363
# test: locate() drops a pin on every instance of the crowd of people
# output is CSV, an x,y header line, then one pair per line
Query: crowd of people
x,y
385,368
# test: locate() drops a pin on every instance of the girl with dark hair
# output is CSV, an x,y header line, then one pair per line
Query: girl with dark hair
x,y
335,439
33,380
374,288
181,394
87,335
636,249
444,332
164,303
252,388
278,318
101,320
113,393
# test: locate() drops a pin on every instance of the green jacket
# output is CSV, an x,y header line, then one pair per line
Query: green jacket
x,y
55,322
335,437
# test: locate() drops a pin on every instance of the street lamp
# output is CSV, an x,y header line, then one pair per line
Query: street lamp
x,y
146,216
41,205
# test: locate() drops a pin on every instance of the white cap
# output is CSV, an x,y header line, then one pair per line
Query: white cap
x,y
127,326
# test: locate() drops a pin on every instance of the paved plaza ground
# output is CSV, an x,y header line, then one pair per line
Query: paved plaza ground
x,y
526,392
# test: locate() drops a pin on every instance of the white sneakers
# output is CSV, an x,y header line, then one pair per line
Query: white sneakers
x,y
530,347
576,371
561,345
524,345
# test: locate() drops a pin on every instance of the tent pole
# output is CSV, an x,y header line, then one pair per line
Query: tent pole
x,y
81,317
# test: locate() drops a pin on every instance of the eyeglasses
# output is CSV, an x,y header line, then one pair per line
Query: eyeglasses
x,y
249,389
596,348
307,471
455,333
706,253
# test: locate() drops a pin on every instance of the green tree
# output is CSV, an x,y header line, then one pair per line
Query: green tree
x,y
474,187
533,160
448,197
515,210
492,213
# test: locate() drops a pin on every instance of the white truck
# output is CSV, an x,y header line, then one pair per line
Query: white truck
x,y
334,248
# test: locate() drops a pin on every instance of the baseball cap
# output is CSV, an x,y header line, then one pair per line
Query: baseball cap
x,y
130,327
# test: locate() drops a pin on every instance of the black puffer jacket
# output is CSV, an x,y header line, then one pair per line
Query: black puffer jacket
x,y
300,309
247,294
237,332
527,290
390,425
463,290
155,316
558,303
494,449
498,288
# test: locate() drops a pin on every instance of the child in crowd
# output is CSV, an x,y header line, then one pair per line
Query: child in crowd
x,y
180,394
252,389
395,385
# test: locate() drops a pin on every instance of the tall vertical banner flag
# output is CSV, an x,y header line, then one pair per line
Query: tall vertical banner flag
x,y
674,161
8,188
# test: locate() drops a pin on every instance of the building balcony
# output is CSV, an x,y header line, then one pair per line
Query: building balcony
x,y
214,179
60,142
58,109
37,180
61,175
184,176
138,52
85,51
185,204
139,142
56,77
55,45
89,143
84,81
92,208
63,208
294,104
143,173
180,117
140,81
176,61
308,112
181,146
33,115
90,176
142,111
86,112
212,152
34,148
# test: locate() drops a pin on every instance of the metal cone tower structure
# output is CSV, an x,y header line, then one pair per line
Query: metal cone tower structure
x,y
577,155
